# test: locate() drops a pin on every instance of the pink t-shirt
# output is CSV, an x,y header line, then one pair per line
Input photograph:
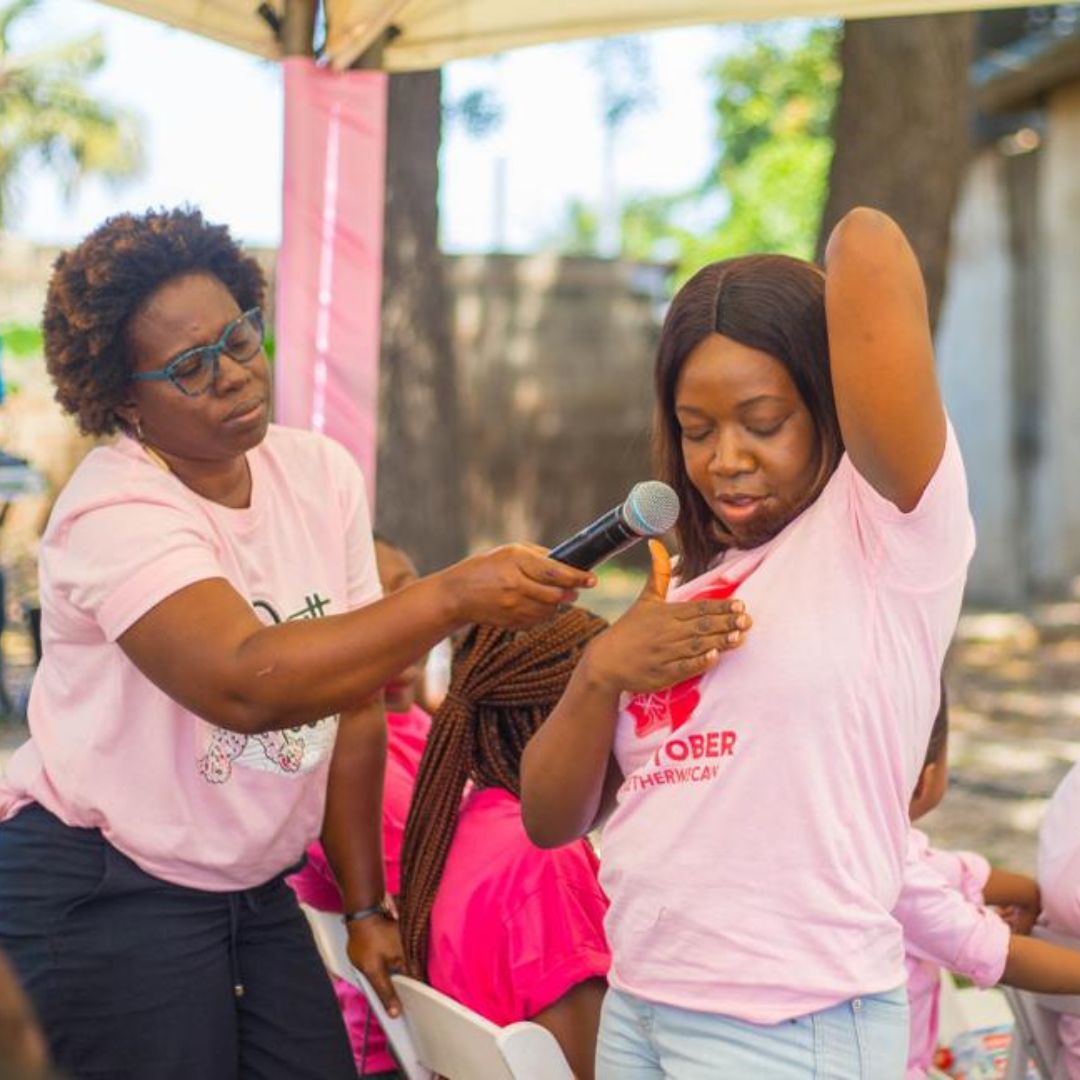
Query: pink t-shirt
x,y
945,924
514,927
1059,884
315,884
190,802
757,845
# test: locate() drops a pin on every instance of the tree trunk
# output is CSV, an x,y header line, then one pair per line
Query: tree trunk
x,y
419,503
903,130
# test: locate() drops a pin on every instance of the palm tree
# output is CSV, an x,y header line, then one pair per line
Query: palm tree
x,y
47,113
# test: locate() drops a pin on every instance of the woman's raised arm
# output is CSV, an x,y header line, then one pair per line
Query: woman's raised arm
x,y
882,356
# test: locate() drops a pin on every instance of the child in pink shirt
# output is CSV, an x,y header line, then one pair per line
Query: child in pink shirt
x,y
512,931
945,911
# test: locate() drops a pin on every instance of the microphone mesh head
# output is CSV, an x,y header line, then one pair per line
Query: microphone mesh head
x,y
651,508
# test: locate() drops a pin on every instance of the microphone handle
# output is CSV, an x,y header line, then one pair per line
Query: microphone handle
x,y
605,537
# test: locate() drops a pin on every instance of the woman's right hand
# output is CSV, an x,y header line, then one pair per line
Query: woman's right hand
x,y
512,586
657,644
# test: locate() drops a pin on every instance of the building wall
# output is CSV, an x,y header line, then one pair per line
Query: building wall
x,y
1057,489
974,353
555,363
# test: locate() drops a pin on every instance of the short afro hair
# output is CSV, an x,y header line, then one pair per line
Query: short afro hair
x,y
98,286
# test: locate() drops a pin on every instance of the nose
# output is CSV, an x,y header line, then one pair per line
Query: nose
x,y
231,374
730,457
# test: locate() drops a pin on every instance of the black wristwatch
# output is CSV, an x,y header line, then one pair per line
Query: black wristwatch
x,y
381,908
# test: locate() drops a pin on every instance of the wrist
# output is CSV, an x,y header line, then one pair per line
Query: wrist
x,y
596,676
357,916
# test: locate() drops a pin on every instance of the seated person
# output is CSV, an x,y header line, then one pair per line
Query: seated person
x,y
512,931
407,729
1059,881
945,909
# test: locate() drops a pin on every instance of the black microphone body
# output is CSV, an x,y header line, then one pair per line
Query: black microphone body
x,y
650,509
606,536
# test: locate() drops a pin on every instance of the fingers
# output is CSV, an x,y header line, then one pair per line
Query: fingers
x,y
536,565
380,980
660,573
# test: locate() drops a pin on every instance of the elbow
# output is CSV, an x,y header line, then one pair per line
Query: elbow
x,y
539,828
863,232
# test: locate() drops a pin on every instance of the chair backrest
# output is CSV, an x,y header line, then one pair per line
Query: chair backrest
x,y
1037,1020
459,1044
332,940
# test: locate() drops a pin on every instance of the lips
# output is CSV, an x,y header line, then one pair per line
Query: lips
x,y
246,410
736,508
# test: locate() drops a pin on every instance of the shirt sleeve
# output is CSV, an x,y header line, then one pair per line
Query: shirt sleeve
x,y
113,563
363,577
942,926
555,936
929,545
966,871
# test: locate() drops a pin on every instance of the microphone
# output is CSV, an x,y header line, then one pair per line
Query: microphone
x,y
650,509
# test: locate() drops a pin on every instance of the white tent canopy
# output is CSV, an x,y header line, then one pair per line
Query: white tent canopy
x,y
431,32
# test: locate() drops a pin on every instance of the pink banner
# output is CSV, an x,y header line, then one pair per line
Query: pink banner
x,y
329,271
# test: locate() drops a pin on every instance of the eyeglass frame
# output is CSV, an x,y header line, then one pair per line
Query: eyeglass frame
x,y
169,370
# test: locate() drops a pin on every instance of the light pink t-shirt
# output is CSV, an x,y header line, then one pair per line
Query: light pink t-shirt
x,y
756,849
188,801
1059,885
514,927
316,886
946,925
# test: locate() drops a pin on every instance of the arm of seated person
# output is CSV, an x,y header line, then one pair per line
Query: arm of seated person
x,y
574,1020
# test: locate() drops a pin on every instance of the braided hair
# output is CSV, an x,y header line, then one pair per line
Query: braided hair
x,y
503,686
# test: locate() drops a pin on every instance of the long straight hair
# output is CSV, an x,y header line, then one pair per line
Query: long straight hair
x,y
773,303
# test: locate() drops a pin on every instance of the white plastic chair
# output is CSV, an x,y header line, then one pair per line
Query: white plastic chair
x,y
332,940
1037,1022
459,1044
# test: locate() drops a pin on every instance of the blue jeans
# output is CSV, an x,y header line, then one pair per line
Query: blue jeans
x,y
862,1039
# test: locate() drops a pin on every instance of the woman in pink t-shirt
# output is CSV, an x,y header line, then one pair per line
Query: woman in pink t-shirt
x,y
214,647
758,809
510,930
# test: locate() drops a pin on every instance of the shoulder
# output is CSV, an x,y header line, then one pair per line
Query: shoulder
x,y
117,475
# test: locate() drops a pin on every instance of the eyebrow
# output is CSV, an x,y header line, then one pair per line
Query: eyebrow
x,y
760,399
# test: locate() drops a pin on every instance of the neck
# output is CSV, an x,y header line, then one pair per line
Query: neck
x,y
225,482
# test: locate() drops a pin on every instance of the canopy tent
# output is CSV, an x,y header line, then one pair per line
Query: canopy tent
x,y
429,33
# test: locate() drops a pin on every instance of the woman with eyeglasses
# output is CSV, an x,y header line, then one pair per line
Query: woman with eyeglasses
x,y
214,645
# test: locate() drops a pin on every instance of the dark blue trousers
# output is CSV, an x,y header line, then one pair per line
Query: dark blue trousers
x,y
134,978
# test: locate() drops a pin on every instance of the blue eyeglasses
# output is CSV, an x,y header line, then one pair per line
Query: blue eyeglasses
x,y
194,371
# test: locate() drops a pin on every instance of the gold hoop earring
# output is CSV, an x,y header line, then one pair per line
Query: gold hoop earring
x,y
139,431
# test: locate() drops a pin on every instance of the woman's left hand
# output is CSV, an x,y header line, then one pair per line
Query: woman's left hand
x,y
375,950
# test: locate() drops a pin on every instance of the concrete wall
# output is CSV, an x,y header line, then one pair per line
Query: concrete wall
x,y
974,353
555,361
1057,489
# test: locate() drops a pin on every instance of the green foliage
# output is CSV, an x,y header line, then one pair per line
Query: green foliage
x,y
773,105
21,341
47,112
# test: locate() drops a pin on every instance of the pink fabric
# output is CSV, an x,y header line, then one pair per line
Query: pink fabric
x,y
755,853
1059,885
946,924
329,274
514,927
315,885
188,801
